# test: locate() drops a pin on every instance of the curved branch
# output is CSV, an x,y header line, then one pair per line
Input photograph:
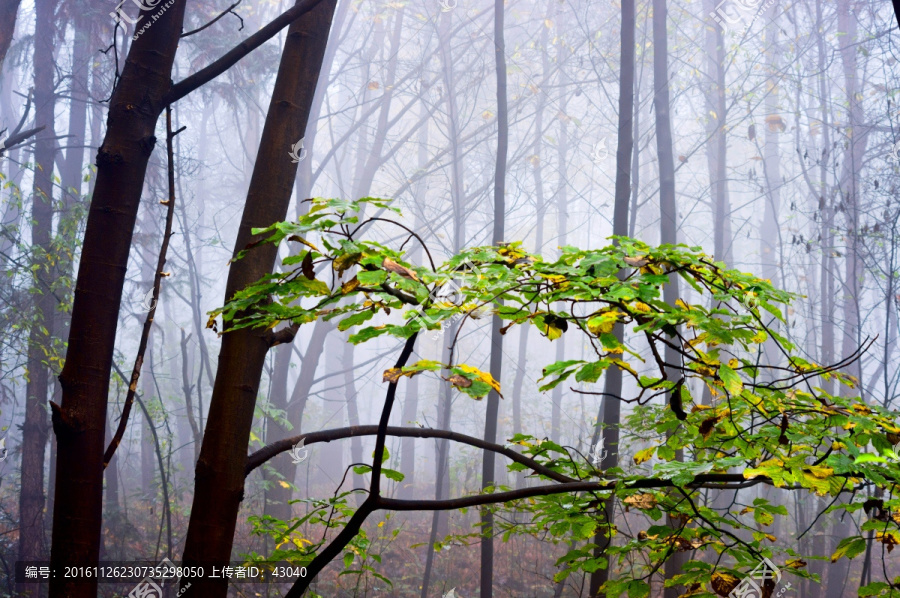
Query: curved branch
x,y
270,451
398,504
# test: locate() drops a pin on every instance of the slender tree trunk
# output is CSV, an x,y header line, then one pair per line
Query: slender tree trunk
x,y
717,148
849,203
80,420
36,430
667,207
562,210
219,485
496,361
612,386
458,196
818,541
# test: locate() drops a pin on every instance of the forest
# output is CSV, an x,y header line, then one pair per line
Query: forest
x,y
449,298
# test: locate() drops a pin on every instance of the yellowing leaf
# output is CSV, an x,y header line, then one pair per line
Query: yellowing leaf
x,y
644,455
483,376
730,379
283,484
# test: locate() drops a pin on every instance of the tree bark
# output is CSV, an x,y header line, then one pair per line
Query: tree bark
x,y
219,484
80,420
612,384
36,430
9,9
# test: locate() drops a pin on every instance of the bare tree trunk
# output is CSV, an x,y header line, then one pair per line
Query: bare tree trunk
x,y
9,9
612,386
220,476
562,213
496,361
36,430
849,203
717,147
80,420
667,206
458,196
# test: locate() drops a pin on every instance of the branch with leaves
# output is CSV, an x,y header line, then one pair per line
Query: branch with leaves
x,y
767,422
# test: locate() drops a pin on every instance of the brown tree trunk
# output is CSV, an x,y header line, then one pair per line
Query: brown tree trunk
x,y
36,430
80,420
9,9
220,469
612,384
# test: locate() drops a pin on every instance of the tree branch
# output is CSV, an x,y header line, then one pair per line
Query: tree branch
x,y
157,280
230,9
230,58
270,451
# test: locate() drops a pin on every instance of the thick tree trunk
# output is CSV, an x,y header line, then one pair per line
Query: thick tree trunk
x,y
9,9
36,430
612,384
219,475
80,420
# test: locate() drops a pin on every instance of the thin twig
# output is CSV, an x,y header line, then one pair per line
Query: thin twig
x,y
157,280
230,9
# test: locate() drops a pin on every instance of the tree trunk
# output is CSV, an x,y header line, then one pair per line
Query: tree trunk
x,y
496,361
9,9
220,469
35,430
818,542
667,207
849,202
80,420
612,384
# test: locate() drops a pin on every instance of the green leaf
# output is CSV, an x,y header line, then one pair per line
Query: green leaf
x,y
355,319
849,547
371,279
730,378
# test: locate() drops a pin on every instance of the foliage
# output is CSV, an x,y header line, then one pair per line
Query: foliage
x,y
764,422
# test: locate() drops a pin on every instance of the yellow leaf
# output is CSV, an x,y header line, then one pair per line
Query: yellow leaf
x,y
483,376
644,455
284,484
820,471
640,307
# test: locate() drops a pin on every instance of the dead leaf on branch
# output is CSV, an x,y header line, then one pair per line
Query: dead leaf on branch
x,y
640,501
392,266
460,381
636,262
